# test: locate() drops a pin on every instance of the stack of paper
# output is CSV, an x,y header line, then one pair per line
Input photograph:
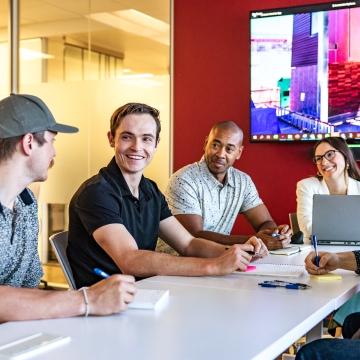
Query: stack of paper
x,y
149,299
292,249
285,270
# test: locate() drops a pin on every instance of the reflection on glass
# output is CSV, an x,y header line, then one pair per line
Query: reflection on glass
x,y
85,59
4,58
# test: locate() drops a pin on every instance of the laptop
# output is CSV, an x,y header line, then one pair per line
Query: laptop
x,y
336,219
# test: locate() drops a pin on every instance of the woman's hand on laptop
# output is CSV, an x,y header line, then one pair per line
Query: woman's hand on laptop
x,y
328,262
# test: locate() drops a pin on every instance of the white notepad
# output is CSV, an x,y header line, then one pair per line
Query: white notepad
x,y
32,345
289,250
149,299
281,270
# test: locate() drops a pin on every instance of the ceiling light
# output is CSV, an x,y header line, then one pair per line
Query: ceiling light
x,y
136,22
137,76
27,55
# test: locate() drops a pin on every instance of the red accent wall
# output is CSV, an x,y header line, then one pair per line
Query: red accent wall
x,y
211,83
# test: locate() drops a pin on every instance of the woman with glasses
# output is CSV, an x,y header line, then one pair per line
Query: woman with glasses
x,y
337,174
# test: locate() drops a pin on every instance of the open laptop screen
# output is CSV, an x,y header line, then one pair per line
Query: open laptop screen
x,y
336,219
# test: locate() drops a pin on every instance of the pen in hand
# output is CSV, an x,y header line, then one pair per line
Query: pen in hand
x,y
314,244
101,273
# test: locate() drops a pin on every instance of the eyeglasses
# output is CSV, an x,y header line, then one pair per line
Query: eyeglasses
x,y
329,155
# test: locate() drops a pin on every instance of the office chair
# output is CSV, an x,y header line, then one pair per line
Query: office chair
x,y
59,243
298,236
294,223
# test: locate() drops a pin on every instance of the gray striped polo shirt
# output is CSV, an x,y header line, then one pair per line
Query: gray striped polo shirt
x,y
194,190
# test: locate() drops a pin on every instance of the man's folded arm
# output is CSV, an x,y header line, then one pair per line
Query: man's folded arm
x,y
258,217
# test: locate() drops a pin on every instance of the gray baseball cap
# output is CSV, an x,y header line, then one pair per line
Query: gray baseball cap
x,y
21,114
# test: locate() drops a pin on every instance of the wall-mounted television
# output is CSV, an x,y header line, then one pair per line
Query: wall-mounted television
x,y
305,72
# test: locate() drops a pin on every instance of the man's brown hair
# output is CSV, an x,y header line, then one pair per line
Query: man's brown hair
x,y
8,145
134,108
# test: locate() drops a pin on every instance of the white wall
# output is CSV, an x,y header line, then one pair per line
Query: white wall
x,y
89,105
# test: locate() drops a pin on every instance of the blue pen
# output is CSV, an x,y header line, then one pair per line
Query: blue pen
x,y
277,235
284,284
287,286
314,244
101,273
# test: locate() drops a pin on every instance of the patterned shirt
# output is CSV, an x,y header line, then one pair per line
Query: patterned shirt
x,y
19,259
194,190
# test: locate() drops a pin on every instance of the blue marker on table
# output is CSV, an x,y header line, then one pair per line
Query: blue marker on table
x,y
314,244
101,273
284,284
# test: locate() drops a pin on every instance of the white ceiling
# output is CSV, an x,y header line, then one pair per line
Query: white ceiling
x,y
50,18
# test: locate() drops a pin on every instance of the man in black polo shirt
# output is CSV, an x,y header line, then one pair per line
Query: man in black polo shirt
x,y
117,215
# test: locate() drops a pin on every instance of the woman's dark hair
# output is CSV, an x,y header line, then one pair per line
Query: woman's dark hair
x,y
340,144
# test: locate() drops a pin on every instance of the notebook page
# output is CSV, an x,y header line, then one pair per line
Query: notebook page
x,y
292,249
283,270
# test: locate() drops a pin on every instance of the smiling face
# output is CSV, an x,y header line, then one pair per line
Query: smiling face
x,y
330,169
222,148
134,143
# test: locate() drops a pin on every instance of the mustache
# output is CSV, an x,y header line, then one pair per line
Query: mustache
x,y
218,159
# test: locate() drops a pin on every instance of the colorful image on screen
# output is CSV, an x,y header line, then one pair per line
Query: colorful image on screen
x,y
305,72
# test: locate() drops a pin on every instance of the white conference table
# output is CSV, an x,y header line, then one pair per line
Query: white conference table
x,y
228,317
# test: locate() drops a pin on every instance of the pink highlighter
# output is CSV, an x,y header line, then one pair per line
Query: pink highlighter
x,y
250,268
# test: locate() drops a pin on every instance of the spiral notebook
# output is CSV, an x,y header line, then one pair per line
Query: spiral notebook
x,y
282,270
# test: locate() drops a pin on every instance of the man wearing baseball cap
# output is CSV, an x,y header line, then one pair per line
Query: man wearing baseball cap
x,y
27,133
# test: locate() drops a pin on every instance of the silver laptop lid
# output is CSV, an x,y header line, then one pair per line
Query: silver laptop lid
x,y
336,219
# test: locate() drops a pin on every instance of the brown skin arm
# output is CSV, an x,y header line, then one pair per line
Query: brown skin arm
x,y
262,222
258,217
330,261
194,224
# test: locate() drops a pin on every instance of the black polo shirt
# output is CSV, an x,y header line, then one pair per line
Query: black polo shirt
x,y
106,199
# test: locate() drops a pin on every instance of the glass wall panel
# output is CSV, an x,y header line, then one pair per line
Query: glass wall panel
x,y
4,49
85,59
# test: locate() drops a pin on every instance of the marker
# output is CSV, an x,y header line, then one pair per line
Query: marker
x,y
277,235
314,244
252,253
101,273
